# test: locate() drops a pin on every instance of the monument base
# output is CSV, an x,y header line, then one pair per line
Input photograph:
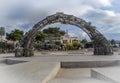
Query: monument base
x,y
103,51
20,52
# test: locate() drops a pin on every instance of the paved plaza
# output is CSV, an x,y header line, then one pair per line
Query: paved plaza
x,y
59,68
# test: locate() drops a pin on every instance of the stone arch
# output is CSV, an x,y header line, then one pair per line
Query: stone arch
x,y
101,45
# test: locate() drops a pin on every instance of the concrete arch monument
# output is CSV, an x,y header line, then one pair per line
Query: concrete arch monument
x,y
101,44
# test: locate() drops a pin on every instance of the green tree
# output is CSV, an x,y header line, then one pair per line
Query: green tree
x,y
40,36
15,35
58,43
2,32
69,46
39,39
76,44
113,42
84,41
54,32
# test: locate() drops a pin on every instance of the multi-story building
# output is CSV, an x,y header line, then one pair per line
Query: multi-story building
x,y
2,38
67,39
63,39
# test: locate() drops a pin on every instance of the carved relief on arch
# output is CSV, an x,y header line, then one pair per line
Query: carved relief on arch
x,y
94,34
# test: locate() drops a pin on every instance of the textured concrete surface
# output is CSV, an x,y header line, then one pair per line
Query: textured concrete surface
x,y
44,67
63,58
78,80
88,64
30,72
111,74
76,75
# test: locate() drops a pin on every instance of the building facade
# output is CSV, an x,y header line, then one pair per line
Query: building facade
x,y
63,39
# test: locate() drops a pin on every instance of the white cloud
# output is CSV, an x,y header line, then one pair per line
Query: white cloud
x,y
104,17
18,13
105,2
110,13
70,6
77,32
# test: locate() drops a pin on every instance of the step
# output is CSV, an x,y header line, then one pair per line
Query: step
x,y
111,74
88,64
75,75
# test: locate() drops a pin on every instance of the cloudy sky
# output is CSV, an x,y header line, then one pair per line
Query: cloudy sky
x,y
23,14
